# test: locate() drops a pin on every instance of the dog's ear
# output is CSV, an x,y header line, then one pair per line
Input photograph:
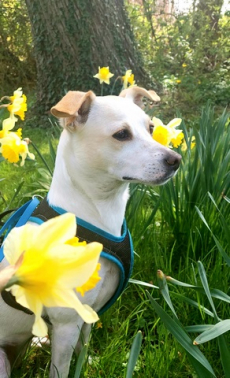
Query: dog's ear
x,y
137,93
74,107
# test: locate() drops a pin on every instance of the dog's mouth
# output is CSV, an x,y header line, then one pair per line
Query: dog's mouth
x,y
156,181
127,178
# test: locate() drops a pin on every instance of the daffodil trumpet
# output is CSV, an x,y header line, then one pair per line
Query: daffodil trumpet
x,y
167,135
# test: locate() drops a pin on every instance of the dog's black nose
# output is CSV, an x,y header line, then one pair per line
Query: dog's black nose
x,y
173,159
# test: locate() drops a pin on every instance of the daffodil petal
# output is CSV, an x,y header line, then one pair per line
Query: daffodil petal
x,y
39,328
19,240
27,299
9,123
157,122
68,298
174,123
58,230
77,263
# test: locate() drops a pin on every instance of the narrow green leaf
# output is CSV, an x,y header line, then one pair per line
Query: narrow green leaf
x,y
178,332
215,293
203,218
220,248
193,303
164,290
80,361
142,283
204,281
224,354
222,251
19,187
226,199
198,328
213,332
134,353
179,283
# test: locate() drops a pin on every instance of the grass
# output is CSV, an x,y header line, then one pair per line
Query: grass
x,y
168,234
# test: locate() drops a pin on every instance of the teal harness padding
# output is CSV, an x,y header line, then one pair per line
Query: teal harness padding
x,y
118,249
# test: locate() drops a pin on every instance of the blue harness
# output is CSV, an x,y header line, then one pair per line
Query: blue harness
x,y
118,249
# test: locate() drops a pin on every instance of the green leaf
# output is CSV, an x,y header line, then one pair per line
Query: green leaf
x,y
216,293
224,354
134,353
178,332
80,361
198,328
213,332
204,281
165,291
220,248
142,283
193,303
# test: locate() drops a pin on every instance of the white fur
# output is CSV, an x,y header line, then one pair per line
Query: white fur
x,y
89,181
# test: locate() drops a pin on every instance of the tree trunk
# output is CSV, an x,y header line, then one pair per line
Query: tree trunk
x,y
72,38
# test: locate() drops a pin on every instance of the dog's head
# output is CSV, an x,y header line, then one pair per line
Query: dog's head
x,y
111,136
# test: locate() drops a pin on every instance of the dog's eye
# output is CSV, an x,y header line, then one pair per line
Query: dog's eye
x,y
151,128
123,135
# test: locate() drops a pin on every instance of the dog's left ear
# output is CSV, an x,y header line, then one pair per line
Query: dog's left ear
x,y
137,93
74,106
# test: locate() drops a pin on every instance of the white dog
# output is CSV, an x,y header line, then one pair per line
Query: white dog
x,y
106,144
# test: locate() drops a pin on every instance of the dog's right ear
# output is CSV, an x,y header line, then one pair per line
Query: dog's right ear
x,y
74,107
136,94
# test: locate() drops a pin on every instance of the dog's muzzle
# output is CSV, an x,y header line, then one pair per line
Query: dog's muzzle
x,y
173,160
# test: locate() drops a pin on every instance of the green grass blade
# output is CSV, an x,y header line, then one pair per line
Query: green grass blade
x,y
213,332
80,361
226,199
134,353
215,293
198,328
142,283
222,251
224,354
220,248
19,187
165,291
181,336
204,281
194,304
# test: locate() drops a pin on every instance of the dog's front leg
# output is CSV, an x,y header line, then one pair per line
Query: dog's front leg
x,y
65,334
4,365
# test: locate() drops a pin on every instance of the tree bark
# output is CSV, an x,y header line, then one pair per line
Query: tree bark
x,y
72,38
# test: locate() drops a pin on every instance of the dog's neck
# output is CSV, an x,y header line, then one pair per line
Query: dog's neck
x,y
101,203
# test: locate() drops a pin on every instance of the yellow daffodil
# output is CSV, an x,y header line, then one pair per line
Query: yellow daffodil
x,y
18,104
104,75
177,140
184,146
161,135
99,325
166,134
13,148
51,268
128,78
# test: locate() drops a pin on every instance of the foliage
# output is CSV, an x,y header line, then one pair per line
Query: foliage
x,y
16,60
204,176
186,55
